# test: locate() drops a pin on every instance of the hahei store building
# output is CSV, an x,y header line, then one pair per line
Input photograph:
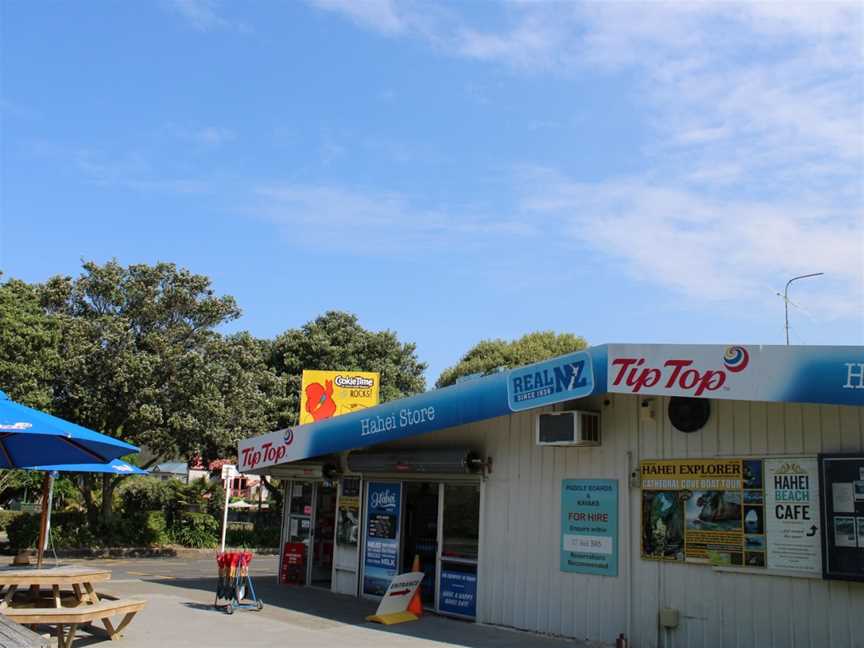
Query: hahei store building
x,y
682,495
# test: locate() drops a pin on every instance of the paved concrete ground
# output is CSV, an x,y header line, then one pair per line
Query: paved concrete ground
x,y
180,614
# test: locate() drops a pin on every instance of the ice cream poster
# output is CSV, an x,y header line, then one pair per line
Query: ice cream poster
x,y
325,394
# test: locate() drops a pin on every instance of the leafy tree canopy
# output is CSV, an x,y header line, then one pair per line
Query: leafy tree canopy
x,y
142,360
335,341
488,355
28,345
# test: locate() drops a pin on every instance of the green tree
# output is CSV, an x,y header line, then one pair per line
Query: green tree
x,y
142,360
28,345
335,341
489,355
28,360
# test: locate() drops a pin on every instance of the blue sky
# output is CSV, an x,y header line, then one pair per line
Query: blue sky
x,y
453,171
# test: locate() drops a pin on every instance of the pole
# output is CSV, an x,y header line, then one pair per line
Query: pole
x,y
45,518
225,512
786,297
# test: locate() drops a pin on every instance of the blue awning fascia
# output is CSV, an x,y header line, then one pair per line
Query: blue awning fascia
x,y
830,375
567,377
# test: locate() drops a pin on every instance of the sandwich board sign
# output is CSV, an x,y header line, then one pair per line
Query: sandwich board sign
x,y
394,606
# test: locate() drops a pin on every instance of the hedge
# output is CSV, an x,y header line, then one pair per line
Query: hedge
x,y
6,518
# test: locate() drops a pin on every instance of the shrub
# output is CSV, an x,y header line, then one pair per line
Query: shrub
x,y
6,518
141,529
23,531
197,530
244,535
145,494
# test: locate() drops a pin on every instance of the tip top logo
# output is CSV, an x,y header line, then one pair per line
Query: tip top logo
x,y
736,359
268,453
15,426
678,375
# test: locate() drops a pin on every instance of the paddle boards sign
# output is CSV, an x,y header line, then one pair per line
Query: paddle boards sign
x,y
589,526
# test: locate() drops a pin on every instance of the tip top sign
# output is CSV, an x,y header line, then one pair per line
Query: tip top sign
x,y
682,371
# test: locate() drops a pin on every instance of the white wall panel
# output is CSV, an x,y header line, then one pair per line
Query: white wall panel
x,y
522,586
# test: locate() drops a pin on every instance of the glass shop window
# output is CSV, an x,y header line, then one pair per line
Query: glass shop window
x,y
461,526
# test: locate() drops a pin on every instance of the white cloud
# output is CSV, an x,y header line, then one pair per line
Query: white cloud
x,y
130,169
707,249
380,15
755,110
211,136
203,15
376,223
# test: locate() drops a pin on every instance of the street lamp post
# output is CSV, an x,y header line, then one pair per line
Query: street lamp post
x,y
786,297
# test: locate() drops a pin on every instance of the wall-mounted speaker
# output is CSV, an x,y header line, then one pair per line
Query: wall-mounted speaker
x,y
689,414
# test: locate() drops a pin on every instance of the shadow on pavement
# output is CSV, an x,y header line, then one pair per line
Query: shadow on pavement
x,y
351,610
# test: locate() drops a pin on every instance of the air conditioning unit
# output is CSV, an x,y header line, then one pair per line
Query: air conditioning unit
x,y
570,428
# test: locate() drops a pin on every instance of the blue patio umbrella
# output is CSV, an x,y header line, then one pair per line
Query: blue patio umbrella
x,y
115,467
29,437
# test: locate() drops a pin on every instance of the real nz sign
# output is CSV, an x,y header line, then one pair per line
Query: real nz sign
x,y
552,381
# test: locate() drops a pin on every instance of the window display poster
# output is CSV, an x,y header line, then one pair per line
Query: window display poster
x,y
348,513
589,526
380,565
842,486
458,592
792,521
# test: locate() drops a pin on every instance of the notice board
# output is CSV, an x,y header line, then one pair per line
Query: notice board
x,y
760,513
842,483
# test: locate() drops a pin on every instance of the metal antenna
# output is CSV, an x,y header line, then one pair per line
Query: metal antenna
x,y
786,297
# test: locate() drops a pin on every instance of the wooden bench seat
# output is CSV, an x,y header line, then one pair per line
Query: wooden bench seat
x,y
83,615
14,635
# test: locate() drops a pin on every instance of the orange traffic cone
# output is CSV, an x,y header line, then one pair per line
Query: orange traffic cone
x,y
416,604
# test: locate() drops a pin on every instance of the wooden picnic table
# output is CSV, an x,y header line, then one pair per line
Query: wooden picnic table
x,y
65,614
15,635
56,579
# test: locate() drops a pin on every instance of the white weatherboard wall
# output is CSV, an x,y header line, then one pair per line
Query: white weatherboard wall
x,y
522,586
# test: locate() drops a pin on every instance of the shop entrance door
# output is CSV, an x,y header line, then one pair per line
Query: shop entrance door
x,y
299,518
311,521
324,528
421,534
